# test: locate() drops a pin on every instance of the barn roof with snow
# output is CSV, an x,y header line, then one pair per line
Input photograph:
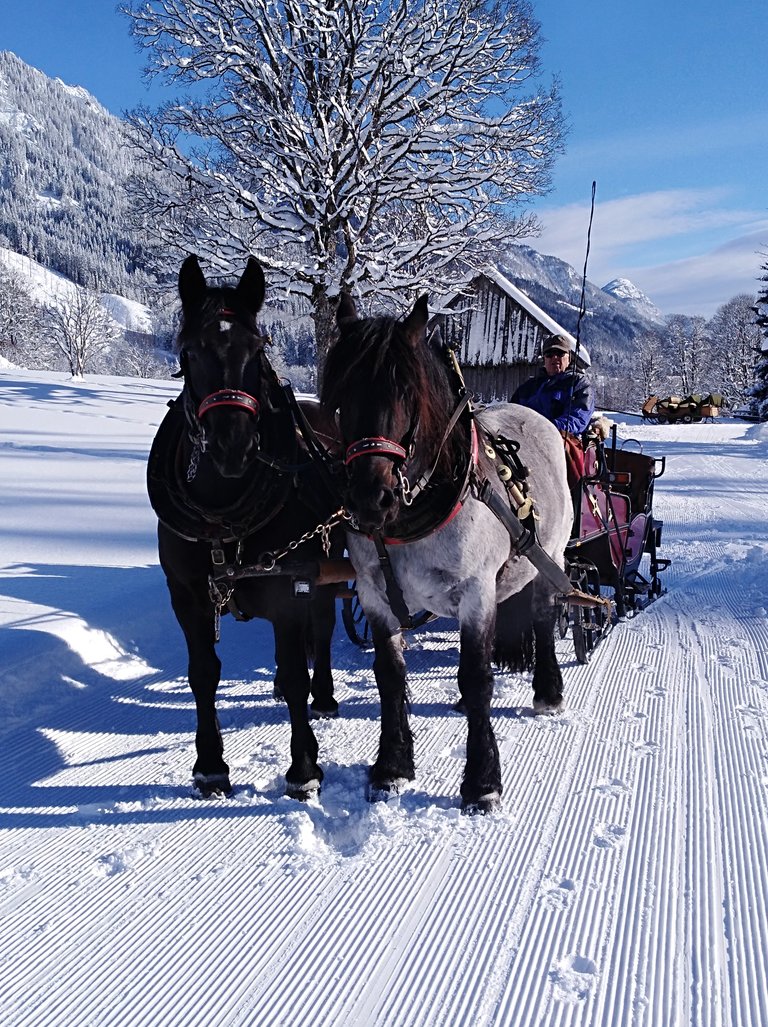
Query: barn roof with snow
x,y
498,334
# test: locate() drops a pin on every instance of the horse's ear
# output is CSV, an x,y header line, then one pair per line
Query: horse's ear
x,y
416,323
345,309
251,287
191,281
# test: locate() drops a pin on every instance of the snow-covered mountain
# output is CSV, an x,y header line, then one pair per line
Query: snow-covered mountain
x,y
614,316
629,294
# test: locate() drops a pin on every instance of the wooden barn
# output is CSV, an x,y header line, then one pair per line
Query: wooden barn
x,y
498,334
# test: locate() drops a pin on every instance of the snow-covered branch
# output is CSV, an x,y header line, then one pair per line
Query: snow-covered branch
x,y
387,146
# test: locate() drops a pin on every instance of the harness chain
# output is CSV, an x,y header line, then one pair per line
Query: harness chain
x,y
221,587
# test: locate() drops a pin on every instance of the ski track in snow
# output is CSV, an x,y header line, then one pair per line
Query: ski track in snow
x,y
625,882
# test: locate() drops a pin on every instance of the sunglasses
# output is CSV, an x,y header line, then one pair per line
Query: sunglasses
x,y
555,353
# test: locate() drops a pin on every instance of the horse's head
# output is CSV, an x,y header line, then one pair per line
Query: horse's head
x,y
375,378
222,360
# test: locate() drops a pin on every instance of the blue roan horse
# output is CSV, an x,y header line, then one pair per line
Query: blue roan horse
x,y
413,482
233,486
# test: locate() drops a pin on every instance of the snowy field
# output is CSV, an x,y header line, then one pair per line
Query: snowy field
x,y
624,883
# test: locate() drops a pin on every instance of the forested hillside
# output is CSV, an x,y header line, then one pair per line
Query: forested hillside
x,y
63,179
65,205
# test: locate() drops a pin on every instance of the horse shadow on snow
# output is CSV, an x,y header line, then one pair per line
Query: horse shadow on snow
x,y
95,651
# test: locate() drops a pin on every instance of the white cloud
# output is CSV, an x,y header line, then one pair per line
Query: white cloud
x,y
706,251
702,283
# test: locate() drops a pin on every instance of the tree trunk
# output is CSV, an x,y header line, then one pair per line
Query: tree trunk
x,y
324,319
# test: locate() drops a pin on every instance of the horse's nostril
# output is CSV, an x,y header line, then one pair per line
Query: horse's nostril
x,y
386,499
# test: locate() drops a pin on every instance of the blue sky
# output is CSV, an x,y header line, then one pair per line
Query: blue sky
x,y
667,108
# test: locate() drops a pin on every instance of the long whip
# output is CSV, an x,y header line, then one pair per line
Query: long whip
x,y
582,300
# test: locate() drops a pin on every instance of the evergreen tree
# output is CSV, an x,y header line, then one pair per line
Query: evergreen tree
x,y
759,392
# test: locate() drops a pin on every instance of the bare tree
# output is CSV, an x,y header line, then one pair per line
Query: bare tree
x,y
80,329
139,357
374,147
686,343
20,317
735,337
650,363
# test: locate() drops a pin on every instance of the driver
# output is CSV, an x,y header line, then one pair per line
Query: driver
x,y
564,396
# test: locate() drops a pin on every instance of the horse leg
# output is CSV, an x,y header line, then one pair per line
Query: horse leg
x,y
547,679
304,775
481,785
195,616
322,615
394,763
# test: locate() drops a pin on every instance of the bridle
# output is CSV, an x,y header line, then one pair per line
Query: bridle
x,y
195,410
228,398
237,398
399,453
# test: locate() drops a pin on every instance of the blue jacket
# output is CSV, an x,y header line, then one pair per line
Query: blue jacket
x,y
549,395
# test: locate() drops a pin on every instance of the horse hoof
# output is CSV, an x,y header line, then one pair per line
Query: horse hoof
x,y
386,791
324,710
490,803
211,786
543,708
303,792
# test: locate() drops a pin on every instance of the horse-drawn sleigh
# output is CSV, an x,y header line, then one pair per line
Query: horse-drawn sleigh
x,y
613,548
257,496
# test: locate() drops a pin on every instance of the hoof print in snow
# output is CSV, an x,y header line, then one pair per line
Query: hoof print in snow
x,y
573,977
609,835
211,786
614,787
558,894
646,748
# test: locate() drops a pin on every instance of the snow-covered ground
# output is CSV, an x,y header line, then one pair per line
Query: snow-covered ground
x,y
625,882
52,289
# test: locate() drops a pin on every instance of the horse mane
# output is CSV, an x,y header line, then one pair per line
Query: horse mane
x,y
375,354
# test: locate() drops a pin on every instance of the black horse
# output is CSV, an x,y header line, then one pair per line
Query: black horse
x,y
236,484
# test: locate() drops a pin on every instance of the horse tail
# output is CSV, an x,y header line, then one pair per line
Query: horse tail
x,y
514,647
